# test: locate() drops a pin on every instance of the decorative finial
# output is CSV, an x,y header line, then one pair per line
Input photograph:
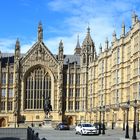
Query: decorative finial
x,y
100,47
133,18
17,48
40,32
88,29
106,43
78,44
123,24
123,29
17,44
61,43
114,36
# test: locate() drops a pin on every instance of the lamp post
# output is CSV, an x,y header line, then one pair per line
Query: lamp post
x,y
100,121
138,122
32,124
113,121
127,125
15,114
134,123
96,117
103,132
124,120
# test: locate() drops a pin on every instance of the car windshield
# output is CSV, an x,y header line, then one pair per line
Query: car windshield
x,y
86,125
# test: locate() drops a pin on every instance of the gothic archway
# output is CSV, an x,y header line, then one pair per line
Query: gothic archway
x,y
2,122
70,120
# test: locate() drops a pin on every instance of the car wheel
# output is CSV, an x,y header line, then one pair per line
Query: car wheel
x,y
76,132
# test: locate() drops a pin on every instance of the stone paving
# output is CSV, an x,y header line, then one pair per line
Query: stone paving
x,y
51,134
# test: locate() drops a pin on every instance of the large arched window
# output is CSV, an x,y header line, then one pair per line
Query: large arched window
x,y
37,88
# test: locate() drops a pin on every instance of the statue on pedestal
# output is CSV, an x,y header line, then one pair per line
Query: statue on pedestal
x,y
47,107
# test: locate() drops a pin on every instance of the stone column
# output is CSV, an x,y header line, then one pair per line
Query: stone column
x,y
60,87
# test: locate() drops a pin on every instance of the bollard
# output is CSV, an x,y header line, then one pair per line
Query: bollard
x,y
37,136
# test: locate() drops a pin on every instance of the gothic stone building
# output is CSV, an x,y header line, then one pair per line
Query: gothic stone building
x,y
79,86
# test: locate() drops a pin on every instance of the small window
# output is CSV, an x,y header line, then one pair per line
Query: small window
x,y
37,116
3,92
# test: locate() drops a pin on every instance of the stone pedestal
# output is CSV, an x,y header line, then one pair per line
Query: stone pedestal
x,y
47,122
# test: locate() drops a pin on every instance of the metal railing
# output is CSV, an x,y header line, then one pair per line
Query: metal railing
x,y
31,135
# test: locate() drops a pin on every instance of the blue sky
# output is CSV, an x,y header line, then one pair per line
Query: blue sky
x,y
62,20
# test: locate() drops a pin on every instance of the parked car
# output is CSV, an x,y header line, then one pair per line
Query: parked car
x,y
97,126
62,126
85,128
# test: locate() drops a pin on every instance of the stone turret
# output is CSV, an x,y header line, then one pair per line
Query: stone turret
x,y
100,47
106,44
16,80
114,38
134,18
123,30
17,49
60,51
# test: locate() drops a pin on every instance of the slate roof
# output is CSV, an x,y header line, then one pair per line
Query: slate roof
x,y
67,58
71,59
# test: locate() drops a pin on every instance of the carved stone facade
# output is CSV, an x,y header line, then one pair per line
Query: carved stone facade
x,y
77,86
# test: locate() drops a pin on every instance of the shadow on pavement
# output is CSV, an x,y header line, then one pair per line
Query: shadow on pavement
x,y
9,138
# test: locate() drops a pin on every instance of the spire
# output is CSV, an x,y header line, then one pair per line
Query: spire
x,y
100,48
17,48
78,48
123,29
40,32
88,40
60,44
106,43
78,44
133,18
113,37
60,50
88,30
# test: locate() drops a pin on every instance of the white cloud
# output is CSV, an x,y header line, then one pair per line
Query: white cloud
x,y
68,42
25,47
7,44
103,16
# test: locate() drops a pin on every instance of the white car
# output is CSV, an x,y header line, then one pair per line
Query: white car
x,y
85,128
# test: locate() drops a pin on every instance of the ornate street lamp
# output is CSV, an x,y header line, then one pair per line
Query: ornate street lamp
x,y
138,122
100,121
15,114
113,121
134,124
127,125
124,120
103,132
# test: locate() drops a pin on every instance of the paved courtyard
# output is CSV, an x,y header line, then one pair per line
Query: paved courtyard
x,y
51,134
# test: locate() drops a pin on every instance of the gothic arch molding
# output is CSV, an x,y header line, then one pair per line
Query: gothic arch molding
x,y
48,73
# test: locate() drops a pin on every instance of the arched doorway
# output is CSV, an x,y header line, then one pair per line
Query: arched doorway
x,y
70,120
2,122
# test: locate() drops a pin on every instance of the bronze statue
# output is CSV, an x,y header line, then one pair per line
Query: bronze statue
x,y
47,107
